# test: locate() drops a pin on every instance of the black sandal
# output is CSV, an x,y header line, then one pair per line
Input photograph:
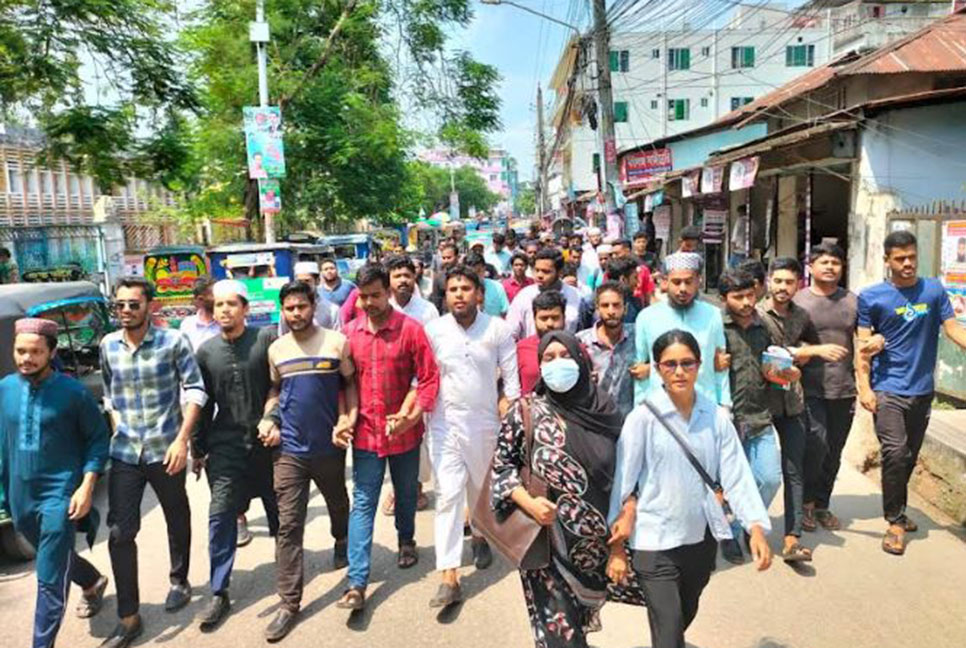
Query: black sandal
x,y
408,556
796,553
828,520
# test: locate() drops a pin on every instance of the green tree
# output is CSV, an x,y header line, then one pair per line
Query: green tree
x,y
346,148
526,201
49,52
434,189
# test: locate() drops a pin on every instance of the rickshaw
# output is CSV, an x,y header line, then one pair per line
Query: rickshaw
x,y
264,268
84,318
173,270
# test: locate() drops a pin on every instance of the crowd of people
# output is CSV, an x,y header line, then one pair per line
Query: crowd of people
x,y
660,425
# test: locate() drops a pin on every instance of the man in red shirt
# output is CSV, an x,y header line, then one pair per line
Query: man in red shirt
x,y
392,357
548,315
518,279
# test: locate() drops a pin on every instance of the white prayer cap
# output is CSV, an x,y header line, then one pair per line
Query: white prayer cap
x,y
605,248
228,287
593,231
306,267
682,261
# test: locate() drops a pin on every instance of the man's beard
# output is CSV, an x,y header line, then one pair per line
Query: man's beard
x,y
681,307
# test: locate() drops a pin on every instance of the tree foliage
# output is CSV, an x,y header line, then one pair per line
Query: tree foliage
x,y
49,52
433,191
526,201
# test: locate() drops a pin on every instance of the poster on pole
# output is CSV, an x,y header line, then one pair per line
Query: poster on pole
x,y
269,196
263,142
743,173
954,265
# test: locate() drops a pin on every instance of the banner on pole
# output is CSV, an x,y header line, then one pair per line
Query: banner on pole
x,y
269,196
263,142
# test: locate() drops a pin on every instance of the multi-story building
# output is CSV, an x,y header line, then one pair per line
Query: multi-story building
x,y
862,25
674,80
496,169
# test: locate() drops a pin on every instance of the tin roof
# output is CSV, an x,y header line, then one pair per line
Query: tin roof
x,y
939,47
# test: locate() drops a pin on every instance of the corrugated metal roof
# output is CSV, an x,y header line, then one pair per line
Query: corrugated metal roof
x,y
940,47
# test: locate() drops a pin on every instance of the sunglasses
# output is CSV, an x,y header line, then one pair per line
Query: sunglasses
x,y
671,366
132,305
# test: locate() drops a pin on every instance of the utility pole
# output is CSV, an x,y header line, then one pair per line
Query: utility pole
x,y
605,99
541,158
258,33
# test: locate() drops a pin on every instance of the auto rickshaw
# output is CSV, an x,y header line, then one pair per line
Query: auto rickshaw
x,y
173,270
83,315
351,251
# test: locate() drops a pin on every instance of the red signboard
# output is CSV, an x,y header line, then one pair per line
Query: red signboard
x,y
639,167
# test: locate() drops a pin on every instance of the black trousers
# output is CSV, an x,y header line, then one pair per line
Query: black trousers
x,y
83,573
900,424
791,433
125,492
673,580
829,423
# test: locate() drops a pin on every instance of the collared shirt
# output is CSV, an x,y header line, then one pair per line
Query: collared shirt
x,y
499,260
749,389
613,364
528,363
470,361
495,301
703,321
326,315
791,330
387,363
674,505
520,316
141,388
421,310
310,374
512,287
338,294
197,331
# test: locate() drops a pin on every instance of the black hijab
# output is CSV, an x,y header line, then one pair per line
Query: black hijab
x,y
585,406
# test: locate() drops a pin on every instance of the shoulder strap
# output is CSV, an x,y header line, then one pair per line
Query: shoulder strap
x,y
713,484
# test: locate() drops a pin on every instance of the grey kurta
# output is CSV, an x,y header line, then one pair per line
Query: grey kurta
x,y
237,381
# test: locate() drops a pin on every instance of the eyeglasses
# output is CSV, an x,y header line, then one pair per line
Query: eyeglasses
x,y
127,305
671,366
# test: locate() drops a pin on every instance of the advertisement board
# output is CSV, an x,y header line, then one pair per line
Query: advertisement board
x,y
953,270
640,167
263,142
263,308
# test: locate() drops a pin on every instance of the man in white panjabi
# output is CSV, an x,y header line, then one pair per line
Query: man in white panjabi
x,y
473,350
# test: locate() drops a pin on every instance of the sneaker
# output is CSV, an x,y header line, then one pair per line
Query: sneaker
x,y
340,558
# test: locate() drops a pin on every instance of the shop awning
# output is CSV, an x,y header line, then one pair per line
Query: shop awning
x,y
778,140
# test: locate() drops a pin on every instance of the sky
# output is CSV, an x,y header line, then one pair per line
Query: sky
x,y
524,48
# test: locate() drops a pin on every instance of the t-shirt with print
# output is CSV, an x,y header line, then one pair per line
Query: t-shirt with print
x,y
834,320
909,319
310,372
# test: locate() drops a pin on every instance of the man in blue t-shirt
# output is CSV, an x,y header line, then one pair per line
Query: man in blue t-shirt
x,y
897,385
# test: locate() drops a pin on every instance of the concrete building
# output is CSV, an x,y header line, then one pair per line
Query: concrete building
x,y
863,25
497,170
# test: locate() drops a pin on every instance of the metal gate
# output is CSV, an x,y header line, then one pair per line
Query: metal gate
x,y
37,248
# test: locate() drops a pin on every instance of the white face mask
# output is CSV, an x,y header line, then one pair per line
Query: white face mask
x,y
560,375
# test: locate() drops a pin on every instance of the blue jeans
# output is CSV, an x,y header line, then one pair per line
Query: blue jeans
x,y
368,470
765,461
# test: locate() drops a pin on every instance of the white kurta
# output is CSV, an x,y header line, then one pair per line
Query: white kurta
x,y
464,425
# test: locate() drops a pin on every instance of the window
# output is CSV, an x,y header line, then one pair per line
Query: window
x,y
653,104
31,176
738,102
656,53
74,182
503,176
742,57
678,109
493,177
620,61
800,56
678,58
620,112
596,162
705,51
46,183
59,184
14,178
704,102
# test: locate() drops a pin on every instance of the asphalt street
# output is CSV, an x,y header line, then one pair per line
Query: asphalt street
x,y
852,595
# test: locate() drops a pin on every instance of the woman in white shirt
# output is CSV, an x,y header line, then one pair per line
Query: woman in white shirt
x,y
662,504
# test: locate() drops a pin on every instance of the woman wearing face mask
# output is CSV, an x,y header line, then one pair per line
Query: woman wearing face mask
x,y
575,430
663,505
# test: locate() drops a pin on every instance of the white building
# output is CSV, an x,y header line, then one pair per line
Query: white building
x,y
862,25
671,81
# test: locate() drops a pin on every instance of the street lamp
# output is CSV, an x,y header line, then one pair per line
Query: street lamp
x,y
534,12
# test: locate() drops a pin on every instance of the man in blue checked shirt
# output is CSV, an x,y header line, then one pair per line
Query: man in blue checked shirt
x,y
144,371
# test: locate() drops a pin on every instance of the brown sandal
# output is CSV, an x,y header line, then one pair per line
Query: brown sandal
x,y
828,520
808,519
408,556
894,543
910,526
353,599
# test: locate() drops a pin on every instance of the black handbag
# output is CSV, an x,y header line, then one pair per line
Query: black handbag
x,y
523,541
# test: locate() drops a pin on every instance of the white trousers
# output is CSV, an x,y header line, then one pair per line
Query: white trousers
x,y
460,460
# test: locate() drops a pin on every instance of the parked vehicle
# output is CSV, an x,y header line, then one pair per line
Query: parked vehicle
x,y
353,249
173,271
82,312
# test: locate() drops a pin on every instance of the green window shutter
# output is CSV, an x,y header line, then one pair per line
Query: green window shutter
x,y
620,111
789,51
686,59
625,60
750,57
614,61
596,162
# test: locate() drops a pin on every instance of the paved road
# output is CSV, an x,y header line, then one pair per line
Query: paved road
x,y
855,595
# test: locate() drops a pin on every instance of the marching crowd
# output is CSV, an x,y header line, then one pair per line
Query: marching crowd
x,y
574,402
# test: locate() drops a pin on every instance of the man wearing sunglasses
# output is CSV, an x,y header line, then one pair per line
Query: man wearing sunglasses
x,y
144,370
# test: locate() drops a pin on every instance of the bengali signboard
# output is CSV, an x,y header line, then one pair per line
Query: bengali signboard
x,y
743,173
263,141
263,308
269,196
954,265
641,166
714,226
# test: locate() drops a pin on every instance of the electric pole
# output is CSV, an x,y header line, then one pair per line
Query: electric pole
x,y
258,33
605,99
541,157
